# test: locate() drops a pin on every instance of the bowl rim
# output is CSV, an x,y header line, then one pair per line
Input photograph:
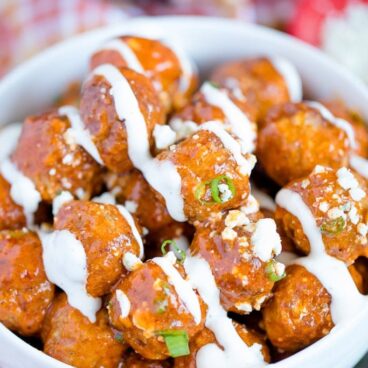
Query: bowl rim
x,y
20,71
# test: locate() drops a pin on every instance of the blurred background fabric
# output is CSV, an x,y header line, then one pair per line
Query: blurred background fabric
x,y
339,27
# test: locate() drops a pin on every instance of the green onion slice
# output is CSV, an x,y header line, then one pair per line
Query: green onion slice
x,y
180,253
118,336
333,227
271,271
177,342
215,191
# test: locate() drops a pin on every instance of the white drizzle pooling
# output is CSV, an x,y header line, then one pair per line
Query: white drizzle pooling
x,y
358,163
230,144
346,300
182,287
125,52
290,76
235,353
168,182
22,191
129,219
239,122
79,133
65,265
124,303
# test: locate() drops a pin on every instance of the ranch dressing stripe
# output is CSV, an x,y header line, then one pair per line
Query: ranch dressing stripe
x,y
235,353
331,272
240,124
125,52
229,143
65,265
79,133
161,175
290,76
182,287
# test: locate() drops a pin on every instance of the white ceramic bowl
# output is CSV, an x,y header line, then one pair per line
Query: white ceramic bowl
x,y
209,41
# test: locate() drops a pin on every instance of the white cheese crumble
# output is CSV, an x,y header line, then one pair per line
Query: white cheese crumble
x,y
252,205
164,136
60,200
131,261
131,206
265,240
225,192
228,234
362,229
244,307
236,218
347,181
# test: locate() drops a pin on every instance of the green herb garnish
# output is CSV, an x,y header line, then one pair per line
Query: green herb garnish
x,y
118,336
180,253
271,272
176,342
213,185
333,227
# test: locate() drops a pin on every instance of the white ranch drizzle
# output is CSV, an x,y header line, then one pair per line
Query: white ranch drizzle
x,y
239,122
235,353
358,163
183,128
168,182
290,76
22,191
346,300
187,67
65,265
125,52
109,198
124,303
182,287
79,133
230,144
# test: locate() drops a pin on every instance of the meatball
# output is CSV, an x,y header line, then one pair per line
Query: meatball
x,y
207,337
56,162
295,139
157,61
134,360
25,292
140,198
214,103
213,177
260,82
71,338
11,214
153,302
299,312
339,204
107,238
240,251
107,127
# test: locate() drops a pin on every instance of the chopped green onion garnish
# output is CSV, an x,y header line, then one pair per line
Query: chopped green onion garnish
x,y
215,85
179,252
118,336
176,342
272,273
333,227
161,305
215,189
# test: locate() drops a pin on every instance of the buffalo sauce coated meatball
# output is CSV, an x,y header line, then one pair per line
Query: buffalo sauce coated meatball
x,y
154,59
240,251
134,360
258,82
25,292
207,337
140,198
99,114
106,236
212,179
299,312
296,138
339,203
11,214
147,306
202,109
71,338
47,155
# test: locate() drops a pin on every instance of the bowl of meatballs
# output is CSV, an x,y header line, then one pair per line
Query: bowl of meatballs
x,y
183,192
